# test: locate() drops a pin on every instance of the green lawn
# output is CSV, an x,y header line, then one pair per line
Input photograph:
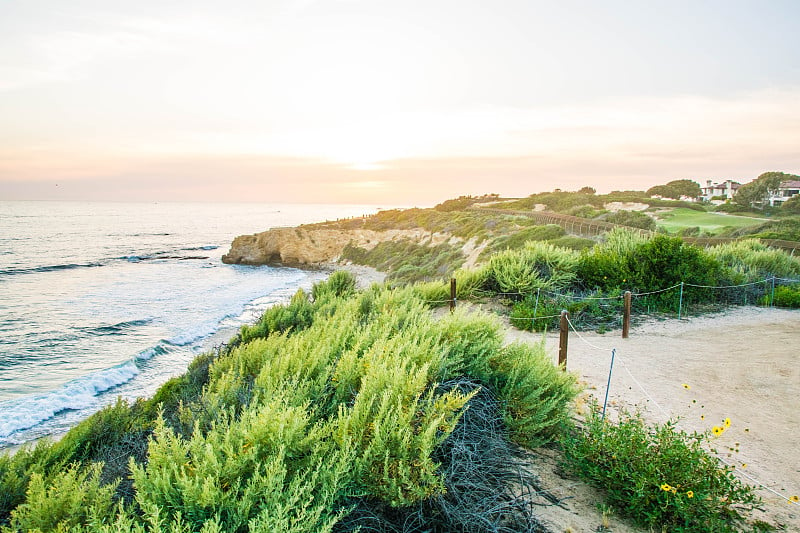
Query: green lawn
x,y
681,217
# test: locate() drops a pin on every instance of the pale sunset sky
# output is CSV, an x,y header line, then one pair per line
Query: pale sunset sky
x,y
401,102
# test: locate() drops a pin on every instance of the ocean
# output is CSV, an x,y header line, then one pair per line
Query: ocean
x,y
102,300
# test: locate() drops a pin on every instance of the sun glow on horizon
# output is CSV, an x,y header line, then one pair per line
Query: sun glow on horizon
x,y
301,96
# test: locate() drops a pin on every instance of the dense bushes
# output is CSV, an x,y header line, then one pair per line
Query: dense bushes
x,y
752,261
407,262
626,261
536,265
518,239
631,219
785,296
295,426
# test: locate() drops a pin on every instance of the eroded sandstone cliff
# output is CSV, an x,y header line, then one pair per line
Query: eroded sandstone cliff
x,y
309,247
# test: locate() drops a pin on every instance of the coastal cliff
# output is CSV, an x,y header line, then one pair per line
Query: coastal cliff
x,y
311,247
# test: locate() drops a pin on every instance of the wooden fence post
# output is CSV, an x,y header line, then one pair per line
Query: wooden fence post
x,y
563,338
452,294
626,314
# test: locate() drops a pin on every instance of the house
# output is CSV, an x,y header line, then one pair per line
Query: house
x,y
786,190
725,190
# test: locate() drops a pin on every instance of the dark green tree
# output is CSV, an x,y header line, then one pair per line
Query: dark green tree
x,y
756,193
676,189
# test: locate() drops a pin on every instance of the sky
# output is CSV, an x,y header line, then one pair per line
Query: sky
x,y
397,102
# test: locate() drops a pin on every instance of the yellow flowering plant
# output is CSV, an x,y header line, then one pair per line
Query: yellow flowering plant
x,y
662,477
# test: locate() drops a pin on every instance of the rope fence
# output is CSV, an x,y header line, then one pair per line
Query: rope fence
x,y
550,301
537,309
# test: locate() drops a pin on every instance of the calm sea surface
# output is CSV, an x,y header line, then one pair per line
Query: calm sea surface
x,y
100,300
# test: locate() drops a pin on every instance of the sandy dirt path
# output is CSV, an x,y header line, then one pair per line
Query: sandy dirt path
x,y
743,364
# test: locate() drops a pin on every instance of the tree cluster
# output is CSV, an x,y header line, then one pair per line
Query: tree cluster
x,y
676,189
757,192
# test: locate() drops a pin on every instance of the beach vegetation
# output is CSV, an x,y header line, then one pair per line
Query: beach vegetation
x,y
359,412
658,475
631,219
752,260
535,265
408,262
785,296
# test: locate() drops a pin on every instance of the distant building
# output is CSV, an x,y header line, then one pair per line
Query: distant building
x,y
785,191
725,190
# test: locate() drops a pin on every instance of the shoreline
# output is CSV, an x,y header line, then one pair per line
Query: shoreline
x,y
365,277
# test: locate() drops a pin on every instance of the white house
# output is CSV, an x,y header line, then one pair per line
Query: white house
x,y
725,189
786,190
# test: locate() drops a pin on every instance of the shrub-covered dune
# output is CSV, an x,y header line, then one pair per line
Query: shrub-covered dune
x,y
337,411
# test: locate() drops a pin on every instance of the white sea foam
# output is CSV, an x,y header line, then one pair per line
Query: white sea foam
x,y
26,412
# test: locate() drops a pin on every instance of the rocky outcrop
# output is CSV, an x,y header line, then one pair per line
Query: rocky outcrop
x,y
309,247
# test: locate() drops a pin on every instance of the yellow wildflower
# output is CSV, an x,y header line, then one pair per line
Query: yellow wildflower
x,y
666,487
727,422
685,386
794,499
717,431
690,494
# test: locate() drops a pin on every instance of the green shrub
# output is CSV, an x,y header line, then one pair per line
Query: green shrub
x,y
754,261
659,476
16,471
519,238
785,296
339,284
68,499
297,315
607,265
730,207
664,261
535,395
572,242
631,219
537,265
267,466
408,262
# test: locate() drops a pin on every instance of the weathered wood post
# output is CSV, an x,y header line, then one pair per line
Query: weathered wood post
x,y
563,338
626,314
452,294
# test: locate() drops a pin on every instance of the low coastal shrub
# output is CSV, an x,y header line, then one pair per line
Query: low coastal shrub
x,y
68,499
536,265
280,318
659,476
294,429
631,219
518,239
408,262
750,260
785,296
